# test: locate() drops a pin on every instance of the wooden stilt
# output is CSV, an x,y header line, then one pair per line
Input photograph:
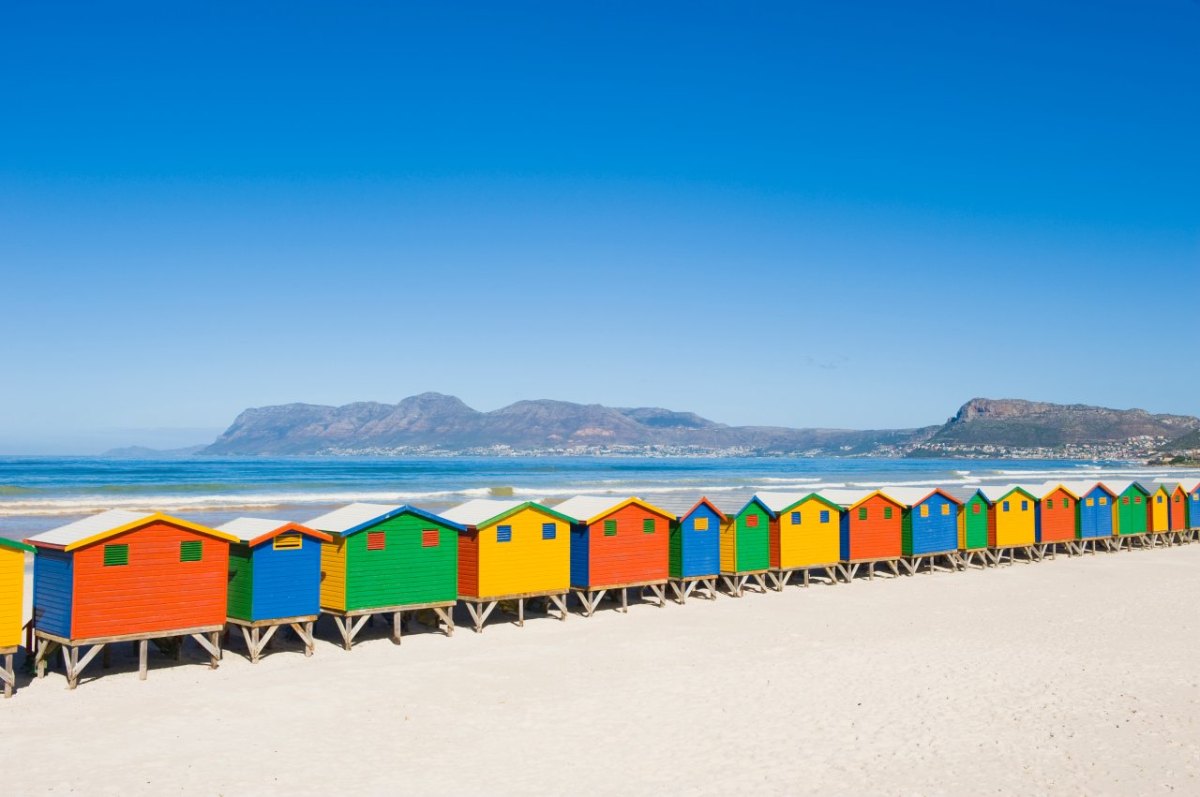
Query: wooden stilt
x,y
143,658
8,675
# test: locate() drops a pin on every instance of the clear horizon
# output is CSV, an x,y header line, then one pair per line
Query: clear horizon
x,y
798,214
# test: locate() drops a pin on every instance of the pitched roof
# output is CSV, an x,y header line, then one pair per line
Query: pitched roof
x,y
1120,487
93,529
998,492
703,502
846,498
588,508
912,496
16,545
777,502
1045,488
1081,488
482,512
353,518
805,497
755,499
255,530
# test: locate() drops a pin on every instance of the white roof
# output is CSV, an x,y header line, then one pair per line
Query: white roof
x,y
777,502
909,496
90,526
586,507
845,497
1079,487
247,528
480,510
348,517
994,492
1121,486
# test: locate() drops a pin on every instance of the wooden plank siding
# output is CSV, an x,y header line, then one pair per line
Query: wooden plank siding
x,y
973,524
1178,511
631,555
1056,517
1095,515
529,561
468,564
53,586
12,595
806,534
333,575
1132,511
695,544
1159,514
240,588
867,531
750,542
155,591
1013,521
287,581
404,571
931,526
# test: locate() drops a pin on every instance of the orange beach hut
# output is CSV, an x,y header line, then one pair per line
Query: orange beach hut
x,y
872,530
127,576
617,544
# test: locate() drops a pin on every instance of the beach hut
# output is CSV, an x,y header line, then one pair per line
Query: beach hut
x,y
871,533
12,604
695,550
1095,514
973,530
511,551
804,537
617,545
127,576
386,560
1131,513
746,547
1193,509
1012,523
1158,514
929,526
1057,520
274,580
1177,505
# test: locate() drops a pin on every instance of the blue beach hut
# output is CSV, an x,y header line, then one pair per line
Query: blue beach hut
x,y
695,550
274,580
930,523
1095,510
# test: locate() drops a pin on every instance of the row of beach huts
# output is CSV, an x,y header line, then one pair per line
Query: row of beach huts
x,y
122,576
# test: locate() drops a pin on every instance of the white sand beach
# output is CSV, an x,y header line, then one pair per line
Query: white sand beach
x,y
1070,676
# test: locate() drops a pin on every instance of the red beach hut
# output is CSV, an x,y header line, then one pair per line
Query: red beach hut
x,y
872,530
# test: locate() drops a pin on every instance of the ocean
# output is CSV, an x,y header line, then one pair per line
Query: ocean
x,y
37,493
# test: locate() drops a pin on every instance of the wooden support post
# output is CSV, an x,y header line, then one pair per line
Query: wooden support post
x,y
520,612
397,626
9,675
624,600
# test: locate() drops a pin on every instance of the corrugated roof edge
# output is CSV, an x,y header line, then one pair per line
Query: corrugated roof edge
x,y
754,499
703,502
401,510
157,517
810,497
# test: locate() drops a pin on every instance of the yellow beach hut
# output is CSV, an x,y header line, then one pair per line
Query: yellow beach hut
x,y
1159,514
1012,522
12,603
511,551
805,536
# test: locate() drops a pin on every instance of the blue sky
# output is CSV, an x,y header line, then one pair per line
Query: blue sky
x,y
815,214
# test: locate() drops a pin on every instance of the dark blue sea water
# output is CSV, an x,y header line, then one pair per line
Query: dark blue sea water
x,y
37,493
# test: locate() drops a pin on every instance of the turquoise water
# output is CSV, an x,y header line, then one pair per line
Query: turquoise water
x,y
37,493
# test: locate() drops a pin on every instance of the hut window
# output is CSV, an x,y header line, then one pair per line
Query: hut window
x,y
795,518
752,521
376,540
429,538
287,542
1103,500
1066,503
1137,499
1049,503
924,510
1004,506
862,513
1176,498
887,513
116,555
610,528
504,534
1091,501
549,531
1125,500
945,509
648,525
824,515
975,508
191,550
1024,506
1158,499
700,524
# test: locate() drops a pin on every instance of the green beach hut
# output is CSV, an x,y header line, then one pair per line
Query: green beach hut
x,y
973,530
1131,511
746,547
386,560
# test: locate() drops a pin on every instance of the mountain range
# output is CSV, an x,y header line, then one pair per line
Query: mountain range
x,y
434,423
